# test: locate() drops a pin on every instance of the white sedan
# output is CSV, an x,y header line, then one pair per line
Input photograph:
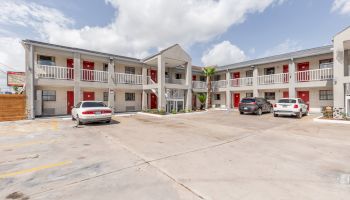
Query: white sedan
x,y
291,107
91,111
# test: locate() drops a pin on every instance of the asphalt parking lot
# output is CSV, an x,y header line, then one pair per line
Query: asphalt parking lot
x,y
212,155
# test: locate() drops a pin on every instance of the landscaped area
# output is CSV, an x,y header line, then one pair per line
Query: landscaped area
x,y
207,155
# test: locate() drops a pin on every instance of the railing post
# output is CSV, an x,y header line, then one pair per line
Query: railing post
x,y
77,78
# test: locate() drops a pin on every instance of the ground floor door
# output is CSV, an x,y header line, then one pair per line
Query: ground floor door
x,y
154,101
89,96
70,102
285,94
305,96
236,99
194,101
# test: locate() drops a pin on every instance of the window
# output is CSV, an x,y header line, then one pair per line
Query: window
x,y
326,94
326,63
301,101
105,67
270,95
217,97
249,94
105,96
46,60
249,73
129,70
49,95
93,104
178,76
287,101
129,96
203,78
216,78
269,71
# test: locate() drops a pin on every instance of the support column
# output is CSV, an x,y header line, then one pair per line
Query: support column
x,y
292,80
161,83
29,86
144,93
189,85
228,91
111,92
77,79
255,81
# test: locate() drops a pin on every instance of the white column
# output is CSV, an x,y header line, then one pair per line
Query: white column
x,y
111,92
255,81
29,87
228,91
292,79
144,93
77,79
161,83
189,85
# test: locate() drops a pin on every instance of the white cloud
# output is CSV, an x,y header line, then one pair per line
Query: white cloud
x,y
284,47
222,54
341,6
137,26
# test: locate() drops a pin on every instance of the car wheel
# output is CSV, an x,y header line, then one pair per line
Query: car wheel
x,y
108,121
299,115
259,111
78,122
275,115
306,113
241,113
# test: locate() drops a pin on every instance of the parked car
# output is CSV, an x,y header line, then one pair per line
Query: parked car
x,y
255,105
290,107
91,111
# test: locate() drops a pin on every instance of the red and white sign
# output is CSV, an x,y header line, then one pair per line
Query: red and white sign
x,y
15,78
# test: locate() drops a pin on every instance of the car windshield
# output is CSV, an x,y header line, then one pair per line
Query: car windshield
x,y
248,100
287,101
93,104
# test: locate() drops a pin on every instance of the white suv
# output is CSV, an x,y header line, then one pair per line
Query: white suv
x,y
91,111
290,106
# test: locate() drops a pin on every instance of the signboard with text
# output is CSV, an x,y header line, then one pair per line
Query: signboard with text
x,y
15,79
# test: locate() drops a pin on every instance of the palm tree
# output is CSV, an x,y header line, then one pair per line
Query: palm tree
x,y
209,72
202,97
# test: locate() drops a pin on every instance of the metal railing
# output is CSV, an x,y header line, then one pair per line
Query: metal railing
x,y
94,75
199,84
314,75
122,78
239,82
54,72
273,79
219,84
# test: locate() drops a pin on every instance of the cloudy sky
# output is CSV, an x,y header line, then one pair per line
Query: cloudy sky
x,y
212,31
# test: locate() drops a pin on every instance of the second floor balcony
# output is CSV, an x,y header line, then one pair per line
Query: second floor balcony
x,y
240,82
273,79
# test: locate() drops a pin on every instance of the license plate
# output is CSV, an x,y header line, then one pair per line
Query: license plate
x,y
245,108
285,106
97,113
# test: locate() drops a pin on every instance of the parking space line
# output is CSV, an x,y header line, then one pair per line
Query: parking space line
x,y
24,144
34,169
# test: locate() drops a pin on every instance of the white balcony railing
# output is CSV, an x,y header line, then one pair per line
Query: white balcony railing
x,y
54,72
199,84
121,78
239,82
314,75
175,81
273,79
219,84
94,75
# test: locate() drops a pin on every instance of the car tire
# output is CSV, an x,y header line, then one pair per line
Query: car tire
x,y
259,112
275,115
78,122
73,118
241,113
299,115
108,121
306,113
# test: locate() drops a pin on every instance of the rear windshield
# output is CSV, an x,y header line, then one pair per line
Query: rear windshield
x,y
248,100
287,101
93,104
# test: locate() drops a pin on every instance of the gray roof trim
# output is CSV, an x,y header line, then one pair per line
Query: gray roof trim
x,y
44,44
160,52
278,58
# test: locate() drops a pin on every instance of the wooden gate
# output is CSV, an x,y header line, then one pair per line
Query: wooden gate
x,y
12,107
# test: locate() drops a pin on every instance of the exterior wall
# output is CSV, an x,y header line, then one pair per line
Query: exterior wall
x,y
315,103
221,102
120,67
314,62
278,67
60,105
242,72
121,104
278,94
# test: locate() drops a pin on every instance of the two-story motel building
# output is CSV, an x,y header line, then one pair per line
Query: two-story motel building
x,y
58,77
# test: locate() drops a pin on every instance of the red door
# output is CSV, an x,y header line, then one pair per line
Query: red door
x,y
286,76
305,96
285,94
154,75
153,101
236,75
193,77
303,74
89,96
70,66
70,102
236,99
87,74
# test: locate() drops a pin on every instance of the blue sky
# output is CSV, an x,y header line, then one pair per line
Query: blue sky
x,y
213,32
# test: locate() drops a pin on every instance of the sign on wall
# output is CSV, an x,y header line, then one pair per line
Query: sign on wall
x,y
15,78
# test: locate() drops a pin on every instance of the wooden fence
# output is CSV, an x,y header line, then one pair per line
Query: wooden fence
x,y
12,107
